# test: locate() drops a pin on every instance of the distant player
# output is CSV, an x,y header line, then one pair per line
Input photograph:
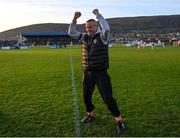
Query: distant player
x,y
138,44
95,62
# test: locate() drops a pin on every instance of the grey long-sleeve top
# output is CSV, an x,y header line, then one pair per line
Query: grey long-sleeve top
x,y
104,31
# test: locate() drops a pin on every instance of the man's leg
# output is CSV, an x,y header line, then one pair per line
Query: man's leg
x,y
103,82
104,85
88,88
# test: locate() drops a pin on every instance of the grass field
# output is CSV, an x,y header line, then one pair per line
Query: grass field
x,y
36,96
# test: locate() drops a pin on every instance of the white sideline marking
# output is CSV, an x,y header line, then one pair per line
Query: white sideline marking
x,y
74,94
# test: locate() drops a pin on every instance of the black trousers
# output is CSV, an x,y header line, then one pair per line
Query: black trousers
x,y
103,82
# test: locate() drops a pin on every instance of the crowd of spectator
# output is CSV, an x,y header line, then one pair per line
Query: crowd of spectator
x,y
8,43
35,42
133,38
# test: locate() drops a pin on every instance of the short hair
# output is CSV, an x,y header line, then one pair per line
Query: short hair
x,y
91,20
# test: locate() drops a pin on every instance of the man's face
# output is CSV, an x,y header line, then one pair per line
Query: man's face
x,y
91,28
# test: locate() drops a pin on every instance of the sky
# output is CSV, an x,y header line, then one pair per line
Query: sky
x,y
18,13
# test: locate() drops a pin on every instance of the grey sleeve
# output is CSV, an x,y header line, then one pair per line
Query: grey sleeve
x,y
73,32
105,29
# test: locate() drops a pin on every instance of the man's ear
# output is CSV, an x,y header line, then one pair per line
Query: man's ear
x,y
98,25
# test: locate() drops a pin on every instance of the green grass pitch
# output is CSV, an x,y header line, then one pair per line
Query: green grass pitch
x,y
36,94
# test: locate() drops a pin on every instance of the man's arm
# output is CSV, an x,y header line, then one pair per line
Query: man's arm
x,y
72,27
104,25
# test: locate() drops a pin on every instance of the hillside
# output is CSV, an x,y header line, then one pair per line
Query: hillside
x,y
47,27
150,24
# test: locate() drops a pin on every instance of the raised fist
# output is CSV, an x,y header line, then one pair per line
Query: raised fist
x,y
96,12
77,15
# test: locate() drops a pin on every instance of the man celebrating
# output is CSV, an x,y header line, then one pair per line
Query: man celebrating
x,y
95,62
